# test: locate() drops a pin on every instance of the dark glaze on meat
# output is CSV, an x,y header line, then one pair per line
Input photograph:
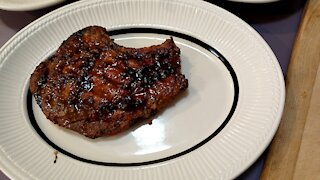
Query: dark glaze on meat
x,y
97,88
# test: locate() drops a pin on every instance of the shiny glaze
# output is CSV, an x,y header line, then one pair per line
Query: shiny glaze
x,y
98,88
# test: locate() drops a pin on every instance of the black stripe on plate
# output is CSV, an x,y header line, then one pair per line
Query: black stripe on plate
x,y
153,31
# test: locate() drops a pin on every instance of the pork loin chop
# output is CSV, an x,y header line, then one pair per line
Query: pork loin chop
x,y
96,87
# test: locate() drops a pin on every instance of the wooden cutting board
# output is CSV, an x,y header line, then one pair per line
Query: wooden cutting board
x,y
295,150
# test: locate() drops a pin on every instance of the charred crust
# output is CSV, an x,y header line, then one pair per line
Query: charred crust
x,y
97,88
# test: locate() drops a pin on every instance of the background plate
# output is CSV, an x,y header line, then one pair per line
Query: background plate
x,y
23,5
25,155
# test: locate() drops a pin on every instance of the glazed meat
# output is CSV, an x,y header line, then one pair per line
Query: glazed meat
x,y
96,87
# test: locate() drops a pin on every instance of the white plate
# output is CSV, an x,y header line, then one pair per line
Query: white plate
x,y
215,130
23,5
